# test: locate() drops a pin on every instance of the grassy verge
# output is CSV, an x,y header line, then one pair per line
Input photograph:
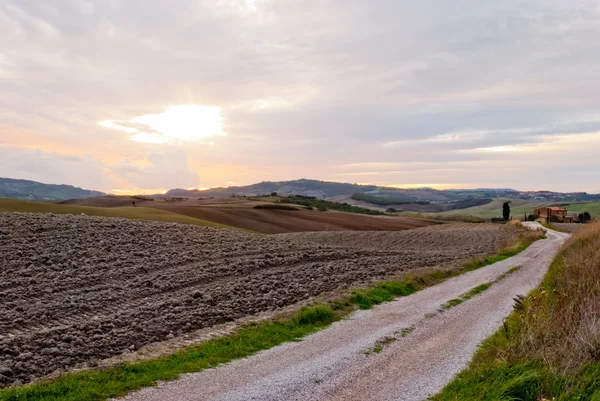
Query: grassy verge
x,y
105,383
96,385
549,347
136,213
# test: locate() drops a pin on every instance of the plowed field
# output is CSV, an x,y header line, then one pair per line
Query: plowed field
x,y
76,289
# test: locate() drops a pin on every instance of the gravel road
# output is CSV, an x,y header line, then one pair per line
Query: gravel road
x,y
422,347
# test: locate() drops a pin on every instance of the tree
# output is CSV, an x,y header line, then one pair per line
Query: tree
x,y
585,217
506,211
273,193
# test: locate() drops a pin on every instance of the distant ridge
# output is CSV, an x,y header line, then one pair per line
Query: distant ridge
x,y
33,190
329,189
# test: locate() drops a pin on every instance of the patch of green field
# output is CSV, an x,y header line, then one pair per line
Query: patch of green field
x,y
592,207
520,207
137,213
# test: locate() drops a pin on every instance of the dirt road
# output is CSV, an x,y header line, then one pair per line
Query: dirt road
x,y
403,350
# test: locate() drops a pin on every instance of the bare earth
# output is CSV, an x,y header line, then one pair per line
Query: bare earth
x,y
335,364
237,212
78,289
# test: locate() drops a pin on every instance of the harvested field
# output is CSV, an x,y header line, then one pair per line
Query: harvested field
x,y
468,238
285,221
76,289
246,214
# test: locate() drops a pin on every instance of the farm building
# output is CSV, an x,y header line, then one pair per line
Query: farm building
x,y
554,213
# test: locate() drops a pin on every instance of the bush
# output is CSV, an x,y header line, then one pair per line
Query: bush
x,y
273,193
498,220
391,210
532,217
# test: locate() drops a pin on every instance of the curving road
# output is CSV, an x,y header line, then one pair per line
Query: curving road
x,y
420,346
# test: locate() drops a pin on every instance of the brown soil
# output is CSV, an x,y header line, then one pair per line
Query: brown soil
x,y
287,221
77,289
239,212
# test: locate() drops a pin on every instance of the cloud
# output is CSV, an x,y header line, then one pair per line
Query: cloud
x,y
165,170
53,168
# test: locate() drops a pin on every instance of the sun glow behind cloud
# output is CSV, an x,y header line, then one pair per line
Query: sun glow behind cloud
x,y
183,123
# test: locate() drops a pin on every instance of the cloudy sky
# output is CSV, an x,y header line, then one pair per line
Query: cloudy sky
x,y
148,95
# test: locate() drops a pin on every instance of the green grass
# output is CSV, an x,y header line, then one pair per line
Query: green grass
x,y
466,296
518,207
136,213
382,292
526,381
488,260
113,382
592,207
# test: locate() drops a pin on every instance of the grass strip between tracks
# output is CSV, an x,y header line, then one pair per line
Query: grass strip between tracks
x,y
477,290
549,347
101,384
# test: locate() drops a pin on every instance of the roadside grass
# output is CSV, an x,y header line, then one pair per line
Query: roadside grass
x,y
113,382
136,213
549,347
101,384
508,250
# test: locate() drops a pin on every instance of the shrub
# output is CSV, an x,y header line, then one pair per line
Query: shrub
x,y
391,210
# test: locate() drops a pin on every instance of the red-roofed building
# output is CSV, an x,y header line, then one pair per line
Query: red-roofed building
x,y
554,213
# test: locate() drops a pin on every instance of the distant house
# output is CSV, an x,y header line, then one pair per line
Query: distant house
x,y
554,213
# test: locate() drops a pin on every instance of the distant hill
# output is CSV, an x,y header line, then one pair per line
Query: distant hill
x,y
318,189
328,189
32,190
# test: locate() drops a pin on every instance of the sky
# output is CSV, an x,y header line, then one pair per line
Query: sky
x,y
140,97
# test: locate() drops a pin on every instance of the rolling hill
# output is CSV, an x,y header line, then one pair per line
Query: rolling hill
x,y
32,190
